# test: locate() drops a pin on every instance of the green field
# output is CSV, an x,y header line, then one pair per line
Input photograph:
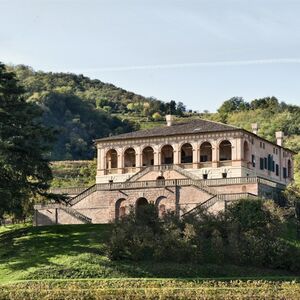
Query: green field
x,y
73,257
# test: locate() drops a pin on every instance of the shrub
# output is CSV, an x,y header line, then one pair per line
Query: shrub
x,y
247,233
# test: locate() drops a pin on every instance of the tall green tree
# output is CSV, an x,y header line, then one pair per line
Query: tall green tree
x,y
24,143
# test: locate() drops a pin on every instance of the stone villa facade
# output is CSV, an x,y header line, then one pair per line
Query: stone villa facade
x,y
177,167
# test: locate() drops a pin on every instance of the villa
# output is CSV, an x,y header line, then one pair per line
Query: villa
x,y
178,167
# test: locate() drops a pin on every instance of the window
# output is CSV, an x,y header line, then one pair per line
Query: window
x,y
224,175
265,163
253,160
284,172
289,169
263,145
277,170
261,163
260,144
270,159
205,176
273,166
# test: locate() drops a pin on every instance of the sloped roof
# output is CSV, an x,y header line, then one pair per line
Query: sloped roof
x,y
191,127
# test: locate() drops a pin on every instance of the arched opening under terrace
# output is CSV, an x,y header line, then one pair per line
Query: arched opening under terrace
x,y
140,205
161,206
120,208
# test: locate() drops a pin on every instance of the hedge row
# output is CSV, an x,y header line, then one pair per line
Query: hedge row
x,y
151,289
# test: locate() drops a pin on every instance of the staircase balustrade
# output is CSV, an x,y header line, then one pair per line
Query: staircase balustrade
x,y
77,214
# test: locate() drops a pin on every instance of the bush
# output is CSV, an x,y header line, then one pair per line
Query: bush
x,y
247,233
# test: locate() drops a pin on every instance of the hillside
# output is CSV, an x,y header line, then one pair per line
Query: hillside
x,y
82,109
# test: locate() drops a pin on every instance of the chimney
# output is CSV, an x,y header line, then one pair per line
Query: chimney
x,y
169,119
279,137
254,128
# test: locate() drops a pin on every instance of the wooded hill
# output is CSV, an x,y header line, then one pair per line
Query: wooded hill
x,y
82,109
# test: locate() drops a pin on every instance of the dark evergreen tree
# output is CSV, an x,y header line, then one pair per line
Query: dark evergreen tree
x,y
24,143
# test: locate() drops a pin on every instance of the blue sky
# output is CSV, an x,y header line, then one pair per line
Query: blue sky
x,y
197,52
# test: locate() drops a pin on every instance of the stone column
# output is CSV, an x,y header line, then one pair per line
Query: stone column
x,y
100,161
99,158
196,156
138,157
120,161
215,154
157,156
237,151
176,154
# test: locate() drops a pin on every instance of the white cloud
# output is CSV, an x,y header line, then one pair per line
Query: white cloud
x,y
194,64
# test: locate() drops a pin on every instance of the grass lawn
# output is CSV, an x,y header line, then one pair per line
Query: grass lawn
x,y
73,257
150,289
78,251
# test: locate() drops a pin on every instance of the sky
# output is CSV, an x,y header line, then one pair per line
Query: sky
x,y
198,52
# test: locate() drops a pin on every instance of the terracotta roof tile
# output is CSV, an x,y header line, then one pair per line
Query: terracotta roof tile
x,y
195,126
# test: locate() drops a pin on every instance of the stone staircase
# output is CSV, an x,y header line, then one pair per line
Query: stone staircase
x,y
146,170
82,195
221,197
132,183
196,181
79,216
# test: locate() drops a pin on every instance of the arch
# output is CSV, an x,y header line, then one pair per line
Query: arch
x,y
140,204
160,180
120,208
205,152
129,158
186,153
225,150
161,207
167,155
246,152
111,159
148,156
289,169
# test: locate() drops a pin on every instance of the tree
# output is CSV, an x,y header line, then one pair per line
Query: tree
x,y
267,102
24,144
181,109
232,105
171,108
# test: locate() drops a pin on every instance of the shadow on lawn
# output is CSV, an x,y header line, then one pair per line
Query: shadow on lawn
x,y
34,246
